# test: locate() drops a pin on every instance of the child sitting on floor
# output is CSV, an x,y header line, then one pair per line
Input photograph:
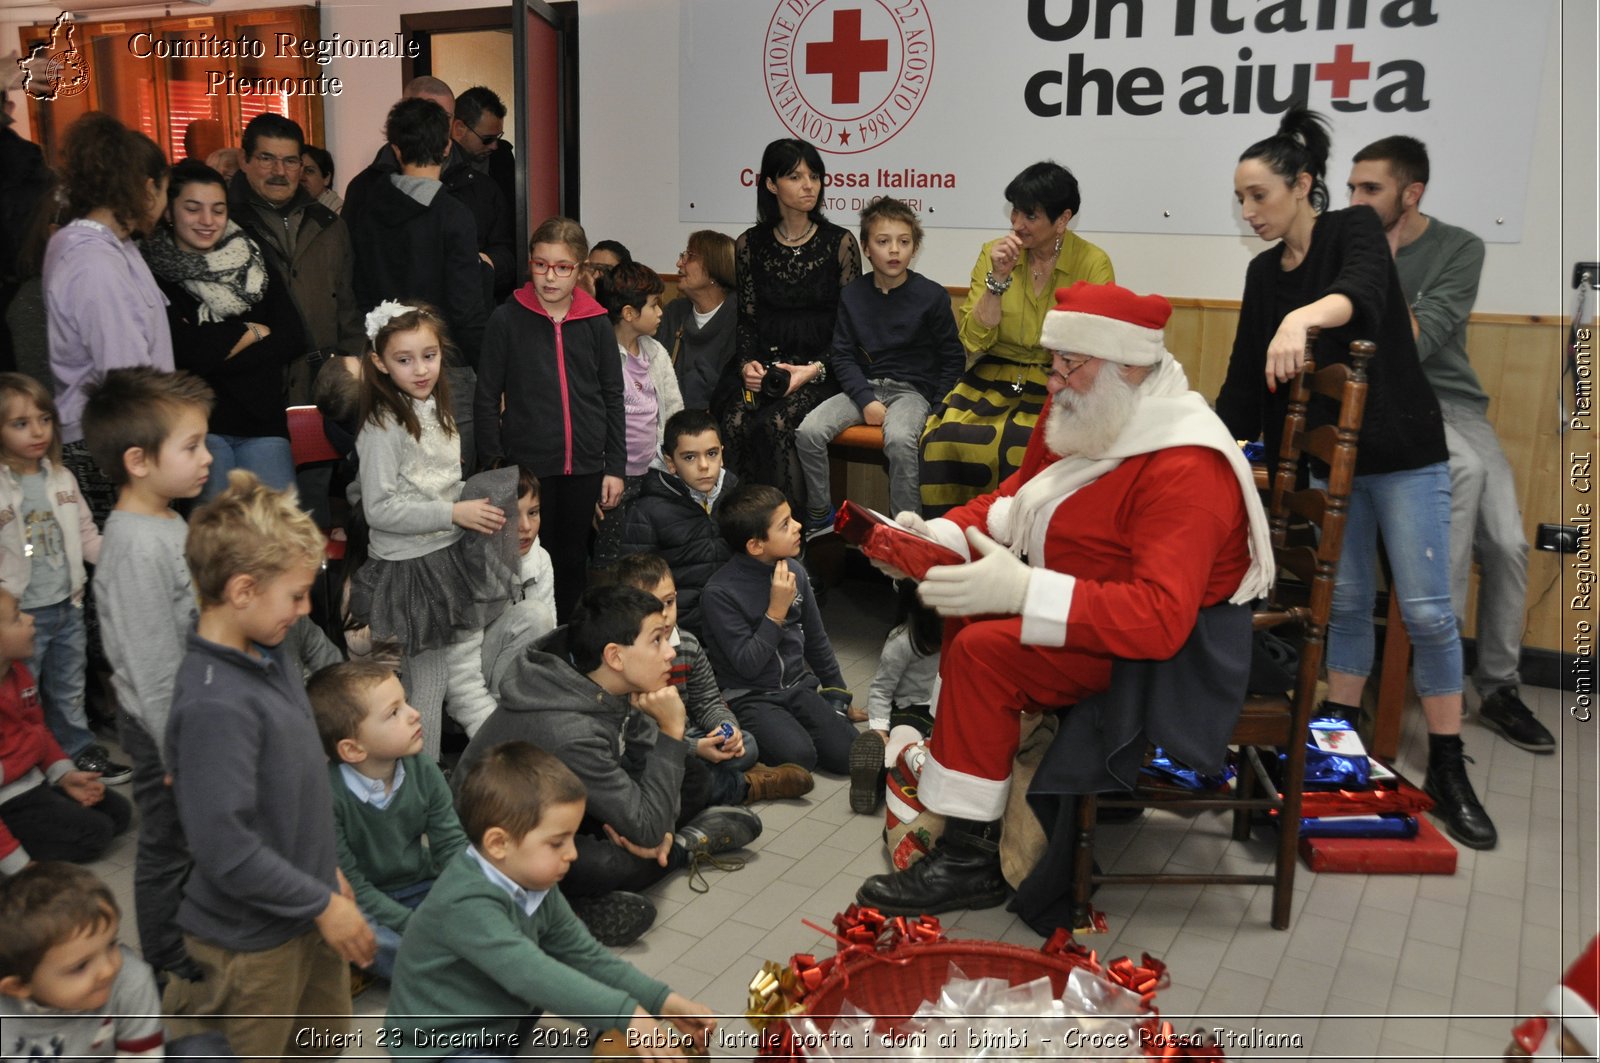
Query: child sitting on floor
x,y
495,939
386,797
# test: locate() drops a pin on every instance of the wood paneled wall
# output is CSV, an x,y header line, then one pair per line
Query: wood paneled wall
x,y
1518,358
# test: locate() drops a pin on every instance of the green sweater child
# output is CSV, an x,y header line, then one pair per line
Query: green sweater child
x,y
495,939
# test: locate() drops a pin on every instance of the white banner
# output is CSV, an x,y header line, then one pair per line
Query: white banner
x,y
942,102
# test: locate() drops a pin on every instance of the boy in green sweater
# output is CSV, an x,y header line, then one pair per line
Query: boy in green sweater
x,y
495,939
385,797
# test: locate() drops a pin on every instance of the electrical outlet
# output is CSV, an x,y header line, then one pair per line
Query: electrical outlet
x,y
1591,268
1558,538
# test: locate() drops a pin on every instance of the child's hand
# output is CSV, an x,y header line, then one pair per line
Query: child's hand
x,y
347,891
690,1016
784,592
659,854
649,1040
874,412
665,707
753,372
611,492
83,787
712,748
345,929
479,515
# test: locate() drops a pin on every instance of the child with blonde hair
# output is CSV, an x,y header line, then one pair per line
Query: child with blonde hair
x,y
267,916
426,585
46,535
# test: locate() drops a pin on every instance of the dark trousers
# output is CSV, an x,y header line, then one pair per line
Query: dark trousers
x,y
566,505
797,725
603,866
51,825
162,863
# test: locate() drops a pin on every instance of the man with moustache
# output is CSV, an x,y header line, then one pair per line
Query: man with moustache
x,y
1132,511
1439,265
308,243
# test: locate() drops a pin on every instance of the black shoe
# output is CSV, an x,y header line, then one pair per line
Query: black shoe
x,y
1455,803
718,829
866,772
1506,713
98,759
962,871
1332,710
616,918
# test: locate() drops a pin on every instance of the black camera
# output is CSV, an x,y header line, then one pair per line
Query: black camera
x,y
775,385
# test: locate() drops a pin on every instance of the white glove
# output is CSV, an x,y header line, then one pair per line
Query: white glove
x,y
996,584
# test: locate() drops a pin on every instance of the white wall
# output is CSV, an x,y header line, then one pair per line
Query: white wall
x,y
630,168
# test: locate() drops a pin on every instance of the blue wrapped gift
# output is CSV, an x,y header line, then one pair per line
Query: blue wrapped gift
x,y
1381,825
1175,773
1335,757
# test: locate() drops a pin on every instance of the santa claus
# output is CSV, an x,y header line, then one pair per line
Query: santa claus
x,y
1132,511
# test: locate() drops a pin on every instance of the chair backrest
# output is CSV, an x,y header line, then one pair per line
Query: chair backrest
x,y
308,442
1312,562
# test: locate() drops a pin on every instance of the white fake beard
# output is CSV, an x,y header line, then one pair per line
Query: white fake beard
x,y
1087,424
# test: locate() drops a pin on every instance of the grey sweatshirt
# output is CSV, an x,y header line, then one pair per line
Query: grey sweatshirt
x,y
251,782
146,604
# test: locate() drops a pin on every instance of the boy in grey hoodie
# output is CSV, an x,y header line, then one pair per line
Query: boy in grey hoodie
x,y
598,694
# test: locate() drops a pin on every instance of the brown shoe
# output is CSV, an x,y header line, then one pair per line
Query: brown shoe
x,y
767,783
360,981
856,715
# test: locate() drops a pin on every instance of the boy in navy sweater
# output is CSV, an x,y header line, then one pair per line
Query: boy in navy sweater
x,y
266,914
766,640
895,354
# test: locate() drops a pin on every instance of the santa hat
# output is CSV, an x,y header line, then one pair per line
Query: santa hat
x,y
1107,321
1573,1004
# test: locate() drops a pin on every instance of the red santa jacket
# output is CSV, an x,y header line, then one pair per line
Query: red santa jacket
x,y
25,743
1147,545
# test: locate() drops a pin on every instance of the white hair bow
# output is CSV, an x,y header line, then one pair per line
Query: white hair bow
x,y
382,314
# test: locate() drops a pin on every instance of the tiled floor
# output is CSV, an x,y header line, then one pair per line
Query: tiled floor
x,y
1381,967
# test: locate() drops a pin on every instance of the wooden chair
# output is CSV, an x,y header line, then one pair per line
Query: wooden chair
x,y
1307,564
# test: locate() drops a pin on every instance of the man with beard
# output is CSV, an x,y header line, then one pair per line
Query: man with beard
x,y
1439,266
1132,511
307,242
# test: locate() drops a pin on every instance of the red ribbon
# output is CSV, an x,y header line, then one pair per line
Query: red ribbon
x,y
1146,978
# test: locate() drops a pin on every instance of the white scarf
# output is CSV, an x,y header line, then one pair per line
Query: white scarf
x,y
1168,415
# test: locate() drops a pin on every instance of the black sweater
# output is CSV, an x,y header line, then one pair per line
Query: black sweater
x,y
249,385
562,388
666,520
1348,256
406,250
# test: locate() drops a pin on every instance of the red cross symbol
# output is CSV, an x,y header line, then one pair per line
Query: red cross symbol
x,y
847,56
1343,70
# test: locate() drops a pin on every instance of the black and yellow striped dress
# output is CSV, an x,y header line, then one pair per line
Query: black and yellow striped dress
x,y
978,436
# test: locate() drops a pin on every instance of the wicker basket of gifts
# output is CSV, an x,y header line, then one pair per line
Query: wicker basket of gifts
x,y
899,988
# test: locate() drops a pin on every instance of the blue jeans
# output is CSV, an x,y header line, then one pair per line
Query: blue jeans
x,y
727,777
388,937
60,660
1412,510
268,457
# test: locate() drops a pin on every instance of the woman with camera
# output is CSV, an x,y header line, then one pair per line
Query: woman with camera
x,y
977,437
790,266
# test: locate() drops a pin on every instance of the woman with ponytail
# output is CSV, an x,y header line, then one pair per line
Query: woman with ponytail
x,y
1332,270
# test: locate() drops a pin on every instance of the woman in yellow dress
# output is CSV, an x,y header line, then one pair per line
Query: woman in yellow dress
x,y
976,438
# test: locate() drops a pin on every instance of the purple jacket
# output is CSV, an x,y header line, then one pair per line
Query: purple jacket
x,y
104,311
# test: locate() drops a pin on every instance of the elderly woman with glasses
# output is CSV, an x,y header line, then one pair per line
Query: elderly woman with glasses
x,y
699,328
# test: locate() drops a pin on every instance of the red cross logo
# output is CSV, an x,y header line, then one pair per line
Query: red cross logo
x,y
1343,70
847,56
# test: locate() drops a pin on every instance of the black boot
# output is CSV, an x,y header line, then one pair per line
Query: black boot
x,y
962,871
1455,803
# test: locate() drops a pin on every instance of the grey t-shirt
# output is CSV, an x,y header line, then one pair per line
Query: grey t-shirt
x,y
146,604
49,576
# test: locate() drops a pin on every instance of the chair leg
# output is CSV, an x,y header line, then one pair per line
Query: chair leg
x,y
1083,859
1246,776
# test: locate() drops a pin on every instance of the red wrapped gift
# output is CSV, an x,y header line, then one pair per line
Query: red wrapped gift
x,y
881,539
1429,853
